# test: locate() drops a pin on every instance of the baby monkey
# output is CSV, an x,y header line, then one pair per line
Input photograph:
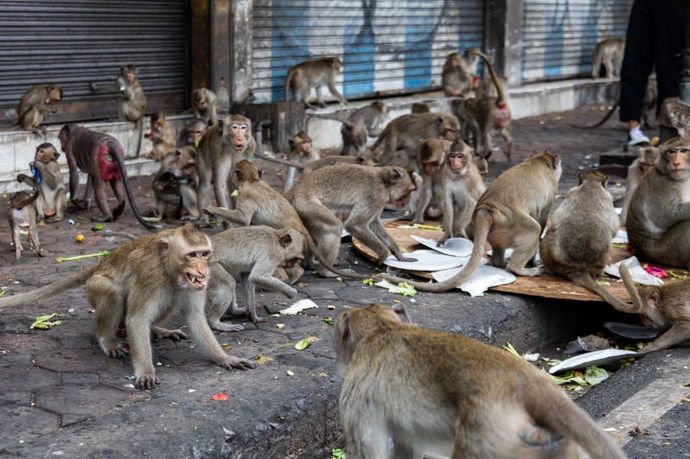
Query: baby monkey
x,y
21,216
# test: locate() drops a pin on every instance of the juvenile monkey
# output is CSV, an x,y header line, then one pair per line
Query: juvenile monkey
x,y
50,204
406,131
314,73
175,185
360,191
459,73
360,125
443,394
608,53
420,107
140,283
223,145
638,170
161,136
461,186
251,255
133,99
35,103
301,152
205,106
579,232
432,156
192,133
509,214
21,216
663,306
658,220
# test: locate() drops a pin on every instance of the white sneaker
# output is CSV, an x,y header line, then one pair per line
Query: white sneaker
x,y
637,137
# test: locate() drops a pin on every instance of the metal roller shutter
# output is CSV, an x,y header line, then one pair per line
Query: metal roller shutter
x,y
76,42
559,37
387,46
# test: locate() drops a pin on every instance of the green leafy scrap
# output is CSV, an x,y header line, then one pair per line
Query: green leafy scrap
x,y
44,322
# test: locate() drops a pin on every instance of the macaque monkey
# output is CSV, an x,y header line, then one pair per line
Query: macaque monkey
x,y
676,114
638,170
133,101
459,73
486,88
666,306
140,283
360,125
578,235
205,106
35,103
482,115
161,136
250,254
21,216
301,152
223,145
406,131
440,394
47,178
192,133
360,191
314,73
100,156
175,185
509,214
259,204
608,53
432,155
420,107
658,220
461,186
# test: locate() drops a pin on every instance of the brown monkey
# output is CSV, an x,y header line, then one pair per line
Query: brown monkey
x,y
35,103
250,254
510,213
192,133
406,131
175,185
133,101
459,73
223,145
438,393
360,191
161,136
21,216
663,306
301,152
578,235
259,204
140,283
205,106
609,54
486,88
50,204
675,113
420,107
314,73
638,170
100,156
658,220
432,155
461,186
360,125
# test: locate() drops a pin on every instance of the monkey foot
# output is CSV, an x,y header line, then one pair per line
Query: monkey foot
x,y
164,333
323,272
103,218
226,327
256,319
117,352
235,362
147,381
525,272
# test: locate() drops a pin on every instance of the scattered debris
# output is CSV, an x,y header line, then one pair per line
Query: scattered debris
x,y
44,323
280,326
262,359
403,288
290,373
592,358
305,343
102,253
368,281
299,306
587,344
98,227
337,453
219,397
637,273
637,432
328,320
331,306
631,331
79,238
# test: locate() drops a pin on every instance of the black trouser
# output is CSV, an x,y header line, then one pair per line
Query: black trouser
x,y
655,38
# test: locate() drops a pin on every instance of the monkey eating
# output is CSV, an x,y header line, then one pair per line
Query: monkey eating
x,y
205,106
509,214
133,99
161,135
432,156
47,178
363,123
21,217
175,186
140,283
314,73
440,394
459,73
192,133
100,156
35,103
638,170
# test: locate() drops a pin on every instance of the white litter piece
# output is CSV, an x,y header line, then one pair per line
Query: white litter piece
x,y
454,247
592,358
345,233
427,260
299,306
621,237
638,273
479,282
619,210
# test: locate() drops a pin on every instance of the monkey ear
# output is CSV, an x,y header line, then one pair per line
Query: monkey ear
x,y
163,244
580,178
604,180
394,174
401,312
439,120
285,240
654,298
291,143
261,172
56,155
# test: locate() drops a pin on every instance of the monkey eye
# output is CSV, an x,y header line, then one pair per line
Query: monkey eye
x,y
238,126
205,253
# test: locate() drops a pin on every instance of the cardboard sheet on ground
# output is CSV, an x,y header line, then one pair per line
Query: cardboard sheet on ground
x,y
544,286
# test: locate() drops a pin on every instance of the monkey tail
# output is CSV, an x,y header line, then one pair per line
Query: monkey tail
x,y
67,283
311,245
501,97
583,279
279,161
482,221
288,82
603,120
553,409
140,143
118,155
27,201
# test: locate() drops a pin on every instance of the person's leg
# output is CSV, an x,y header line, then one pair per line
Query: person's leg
x,y
669,22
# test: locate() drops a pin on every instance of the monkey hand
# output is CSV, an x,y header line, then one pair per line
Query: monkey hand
x,y
172,335
290,292
78,203
231,362
147,380
22,177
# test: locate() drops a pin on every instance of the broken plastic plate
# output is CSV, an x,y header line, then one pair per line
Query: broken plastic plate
x,y
631,331
621,237
592,358
638,273
427,260
484,277
454,247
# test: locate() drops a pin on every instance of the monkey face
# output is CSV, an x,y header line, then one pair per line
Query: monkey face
x,y
238,132
192,269
305,149
337,65
431,167
54,94
677,162
457,162
46,153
